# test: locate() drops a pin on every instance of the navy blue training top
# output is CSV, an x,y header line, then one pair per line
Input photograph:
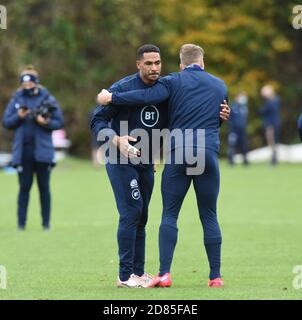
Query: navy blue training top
x,y
270,112
147,116
238,117
194,101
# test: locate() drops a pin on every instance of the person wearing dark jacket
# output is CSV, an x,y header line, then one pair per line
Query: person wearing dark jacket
x,y
194,99
133,183
33,114
270,113
237,138
300,126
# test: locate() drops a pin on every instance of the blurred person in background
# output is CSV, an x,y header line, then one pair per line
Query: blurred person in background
x,y
300,126
237,138
33,114
270,113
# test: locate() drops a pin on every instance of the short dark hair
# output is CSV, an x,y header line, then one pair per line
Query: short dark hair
x,y
145,49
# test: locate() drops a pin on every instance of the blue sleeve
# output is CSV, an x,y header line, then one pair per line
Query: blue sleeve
x,y
11,119
153,95
300,126
100,120
115,88
102,115
57,120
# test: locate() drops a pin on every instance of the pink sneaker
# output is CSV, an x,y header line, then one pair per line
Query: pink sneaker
x,y
164,281
215,283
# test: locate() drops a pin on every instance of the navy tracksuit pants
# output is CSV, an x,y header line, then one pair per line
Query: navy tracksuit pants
x,y
237,139
26,175
174,186
132,187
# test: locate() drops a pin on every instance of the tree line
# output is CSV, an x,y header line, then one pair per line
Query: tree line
x,y
80,47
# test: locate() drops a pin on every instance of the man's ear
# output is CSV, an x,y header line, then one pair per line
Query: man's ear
x,y
181,67
138,62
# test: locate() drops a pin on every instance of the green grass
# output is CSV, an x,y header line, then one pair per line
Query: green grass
x,y
261,221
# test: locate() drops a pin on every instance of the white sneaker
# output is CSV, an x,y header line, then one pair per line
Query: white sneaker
x,y
146,278
133,282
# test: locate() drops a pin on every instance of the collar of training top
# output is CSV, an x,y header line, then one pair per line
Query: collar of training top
x,y
194,67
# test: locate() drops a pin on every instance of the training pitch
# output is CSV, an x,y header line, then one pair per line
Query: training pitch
x,y
259,210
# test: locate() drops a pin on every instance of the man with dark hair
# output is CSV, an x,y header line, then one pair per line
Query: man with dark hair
x,y
195,97
146,48
133,183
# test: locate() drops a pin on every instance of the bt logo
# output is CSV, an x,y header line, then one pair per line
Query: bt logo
x,y
135,194
149,116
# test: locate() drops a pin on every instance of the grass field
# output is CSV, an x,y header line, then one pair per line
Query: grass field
x,y
259,211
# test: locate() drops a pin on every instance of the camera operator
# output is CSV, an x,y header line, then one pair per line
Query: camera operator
x,y
33,113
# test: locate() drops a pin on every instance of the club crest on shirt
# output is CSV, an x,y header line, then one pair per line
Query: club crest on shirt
x,y
133,183
149,116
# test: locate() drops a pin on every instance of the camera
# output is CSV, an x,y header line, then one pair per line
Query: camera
x,y
45,110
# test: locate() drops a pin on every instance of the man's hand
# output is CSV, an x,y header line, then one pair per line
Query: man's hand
x,y
42,121
125,148
22,112
225,111
104,97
